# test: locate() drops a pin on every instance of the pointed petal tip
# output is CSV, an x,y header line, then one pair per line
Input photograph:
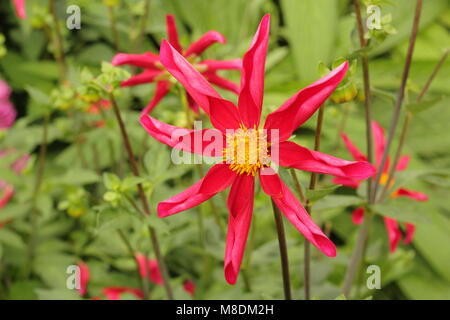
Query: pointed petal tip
x,y
230,274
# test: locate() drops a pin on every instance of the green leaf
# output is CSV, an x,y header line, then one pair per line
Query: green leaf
x,y
79,177
158,224
403,209
337,201
111,181
418,107
11,239
14,211
317,194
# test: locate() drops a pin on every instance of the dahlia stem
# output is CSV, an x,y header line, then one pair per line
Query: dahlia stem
x,y
143,23
298,186
58,42
367,92
141,192
312,186
407,122
343,124
37,188
400,97
283,251
132,253
115,33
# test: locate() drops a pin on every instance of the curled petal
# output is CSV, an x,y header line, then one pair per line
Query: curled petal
x,y
416,195
207,142
410,230
356,154
301,106
147,76
252,77
347,182
394,233
403,163
218,178
144,60
297,215
192,80
204,43
240,205
358,215
222,82
162,88
214,65
295,156
172,33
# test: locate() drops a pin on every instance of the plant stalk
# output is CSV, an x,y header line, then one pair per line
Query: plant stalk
x,y
58,42
283,251
141,192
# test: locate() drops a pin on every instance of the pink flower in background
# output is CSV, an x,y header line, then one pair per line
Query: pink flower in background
x,y
225,117
7,112
392,227
97,107
148,268
20,8
155,71
115,293
6,192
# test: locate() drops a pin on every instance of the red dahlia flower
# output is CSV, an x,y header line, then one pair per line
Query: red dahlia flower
x,y
155,72
20,8
392,227
7,111
242,119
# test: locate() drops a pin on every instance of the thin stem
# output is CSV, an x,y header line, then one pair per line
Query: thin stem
x,y
132,252
342,124
312,186
143,23
357,254
367,92
298,186
406,124
115,33
37,187
141,192
283,251
58,42
400,97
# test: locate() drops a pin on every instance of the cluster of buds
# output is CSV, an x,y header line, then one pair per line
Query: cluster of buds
x,y
75,203
346,91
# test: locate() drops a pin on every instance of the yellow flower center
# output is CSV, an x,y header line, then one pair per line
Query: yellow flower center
x,y
247,150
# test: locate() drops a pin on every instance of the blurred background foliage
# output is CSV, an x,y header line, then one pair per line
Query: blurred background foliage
x,y
76,223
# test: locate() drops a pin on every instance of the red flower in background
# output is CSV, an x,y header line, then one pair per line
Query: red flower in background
x,y
242,119
84,278
20,8
392,227
148,268
97,107
155,72
114,293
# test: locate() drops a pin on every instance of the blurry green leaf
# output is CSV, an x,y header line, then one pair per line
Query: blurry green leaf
x,y
111,181
417,107
337,201
158,224
11,239
317,194
403,209
79,176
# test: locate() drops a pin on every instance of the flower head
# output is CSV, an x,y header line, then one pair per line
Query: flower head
x,y
20,8
156,72
392,227
238,127
7,112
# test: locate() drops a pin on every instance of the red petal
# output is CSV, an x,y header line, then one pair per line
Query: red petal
x,y
189,287
20,8
144,60
218,178
155,273
204,43
214,65
147,76
240,205
394,233
142,263
222,82
172,33
410,230
162,88
271,183
356,154
416,195
380,142
295,156
114,293
403,163
297,215
84,278
347,182
204,142
300,107
358,215
192,80
252,77
224,114
7,193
